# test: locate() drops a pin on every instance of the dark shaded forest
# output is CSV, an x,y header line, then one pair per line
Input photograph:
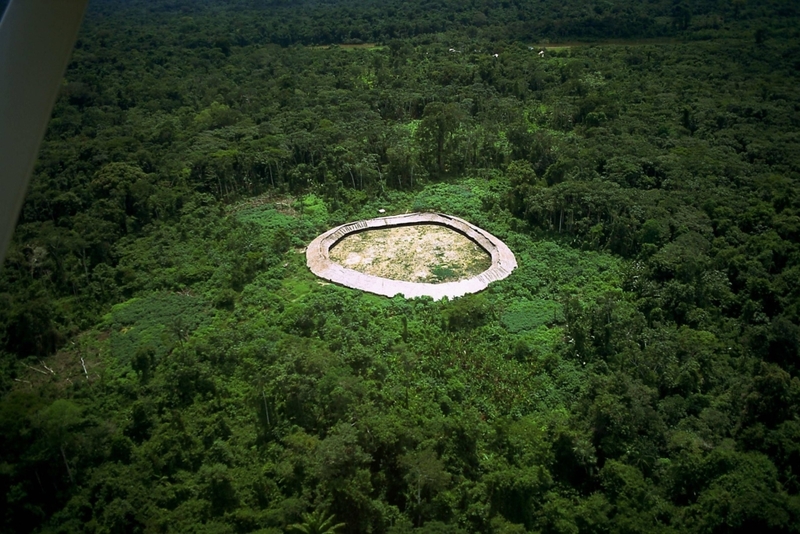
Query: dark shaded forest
x,y
169,364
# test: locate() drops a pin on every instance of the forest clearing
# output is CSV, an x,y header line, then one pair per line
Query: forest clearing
x,y
415,253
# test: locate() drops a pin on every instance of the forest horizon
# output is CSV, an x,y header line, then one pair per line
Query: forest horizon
x,y
168,363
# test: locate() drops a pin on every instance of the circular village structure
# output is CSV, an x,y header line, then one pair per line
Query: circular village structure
x,y
319,261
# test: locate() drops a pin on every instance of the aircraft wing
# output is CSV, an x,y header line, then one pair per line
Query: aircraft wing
x,y
36,40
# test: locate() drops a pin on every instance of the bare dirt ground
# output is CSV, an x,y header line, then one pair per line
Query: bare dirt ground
x,y
420,253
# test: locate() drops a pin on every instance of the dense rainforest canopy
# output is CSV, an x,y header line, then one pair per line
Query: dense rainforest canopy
x,y
168,363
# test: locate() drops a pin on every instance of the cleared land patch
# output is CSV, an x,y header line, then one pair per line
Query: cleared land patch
x,y
321,264
426,253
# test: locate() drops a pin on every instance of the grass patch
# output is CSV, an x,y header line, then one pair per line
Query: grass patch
x,y
529,315
159,321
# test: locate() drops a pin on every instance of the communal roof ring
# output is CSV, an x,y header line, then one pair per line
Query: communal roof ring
x,y
319,261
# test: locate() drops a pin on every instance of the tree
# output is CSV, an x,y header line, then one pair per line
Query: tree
x,y
436,133
57,423
316,523
425,475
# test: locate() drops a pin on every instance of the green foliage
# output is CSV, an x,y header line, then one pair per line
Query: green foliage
x,y
444,273
156,323
316,523
169,364
522,315
283,231
314,210
470,311
460,200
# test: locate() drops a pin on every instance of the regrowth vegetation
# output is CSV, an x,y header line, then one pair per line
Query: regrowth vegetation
x,y
168,363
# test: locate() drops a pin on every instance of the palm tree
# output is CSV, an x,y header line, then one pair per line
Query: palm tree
x,y
316,523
